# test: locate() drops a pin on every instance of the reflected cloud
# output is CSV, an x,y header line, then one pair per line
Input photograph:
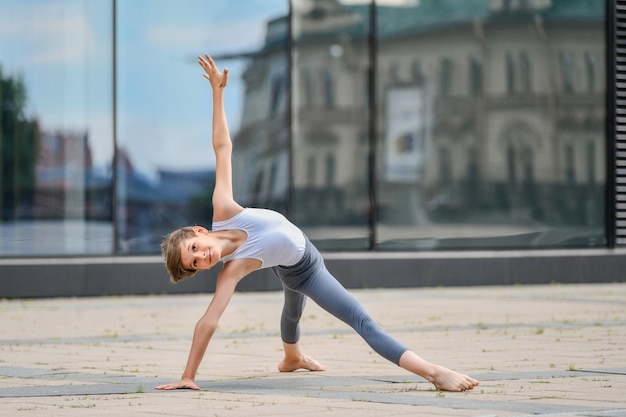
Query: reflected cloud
x,y
179,146
54,33
241,34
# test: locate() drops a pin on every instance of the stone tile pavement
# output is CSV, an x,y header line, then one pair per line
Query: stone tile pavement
x,y
548,350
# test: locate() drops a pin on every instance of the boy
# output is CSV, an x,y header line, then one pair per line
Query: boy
x,y
247,239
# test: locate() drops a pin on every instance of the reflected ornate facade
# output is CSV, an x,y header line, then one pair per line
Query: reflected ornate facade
x,y
515,142
490,120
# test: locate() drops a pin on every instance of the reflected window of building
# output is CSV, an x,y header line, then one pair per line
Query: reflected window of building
x,y
591,63
278,94
591,163
472,176
511,158
307,83
475,76
330,170
570,165
311,171
528,158
417,73
445,166
567,72
511,73
446,77
329,87
526,72
257,188
272,185
394,71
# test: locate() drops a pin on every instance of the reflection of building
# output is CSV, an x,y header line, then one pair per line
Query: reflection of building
x,y
149,209
330,115
518,121
67,185
328,159
517,101
262,142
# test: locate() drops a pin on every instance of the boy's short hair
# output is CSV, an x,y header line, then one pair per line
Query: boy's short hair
x,y
170,248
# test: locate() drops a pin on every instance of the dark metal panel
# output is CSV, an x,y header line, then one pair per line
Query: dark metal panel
x,y
616,123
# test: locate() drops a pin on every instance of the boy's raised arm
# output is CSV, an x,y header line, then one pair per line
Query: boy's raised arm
x,y
224,205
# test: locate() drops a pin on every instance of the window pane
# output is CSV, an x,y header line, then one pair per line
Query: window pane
x,y
56,142
165,159
330,122
509,153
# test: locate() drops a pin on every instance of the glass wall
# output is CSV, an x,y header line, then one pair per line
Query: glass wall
x,y
56,142
394,124
492,117
331,126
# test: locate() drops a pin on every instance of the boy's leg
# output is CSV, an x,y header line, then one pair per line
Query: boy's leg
x,y
290,334
329,294
290,318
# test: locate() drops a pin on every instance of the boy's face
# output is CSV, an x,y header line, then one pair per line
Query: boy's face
x,y
199,252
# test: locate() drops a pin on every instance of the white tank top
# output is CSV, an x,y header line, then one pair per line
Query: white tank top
x,y
272,239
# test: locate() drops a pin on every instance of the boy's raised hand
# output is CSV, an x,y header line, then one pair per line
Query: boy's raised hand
x,y
212,73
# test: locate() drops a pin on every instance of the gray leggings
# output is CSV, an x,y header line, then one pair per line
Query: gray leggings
x,y
310,278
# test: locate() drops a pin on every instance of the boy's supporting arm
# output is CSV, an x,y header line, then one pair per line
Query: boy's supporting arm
x,y
204,330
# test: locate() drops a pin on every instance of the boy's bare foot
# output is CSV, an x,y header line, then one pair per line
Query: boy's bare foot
x,y
448,380
304,362
442,378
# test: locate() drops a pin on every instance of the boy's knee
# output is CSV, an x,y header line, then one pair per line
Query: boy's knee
x,y
292,316
366,325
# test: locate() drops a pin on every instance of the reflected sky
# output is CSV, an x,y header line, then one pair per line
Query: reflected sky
x,y
62,49
158,73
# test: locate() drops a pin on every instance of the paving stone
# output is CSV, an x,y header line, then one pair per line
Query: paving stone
x,y
546,350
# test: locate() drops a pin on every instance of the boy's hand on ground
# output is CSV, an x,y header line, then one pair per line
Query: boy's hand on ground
x,y
182,384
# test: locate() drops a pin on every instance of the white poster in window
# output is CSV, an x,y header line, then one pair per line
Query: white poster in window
x,y
407,134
